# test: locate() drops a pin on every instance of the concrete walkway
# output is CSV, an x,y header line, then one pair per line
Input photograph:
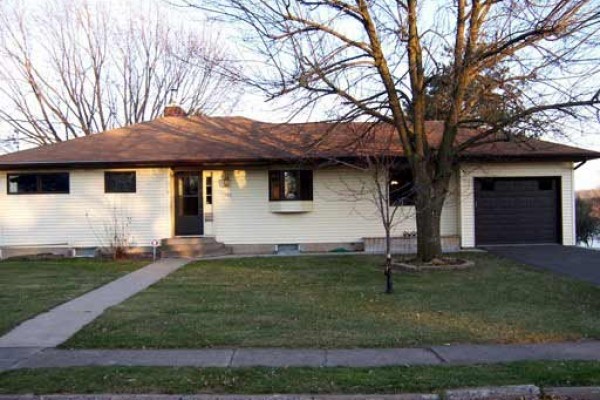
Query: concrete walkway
x,y
255,357
60,323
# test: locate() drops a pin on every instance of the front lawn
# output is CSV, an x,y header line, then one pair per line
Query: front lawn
x,y
28,288
295,380
338,302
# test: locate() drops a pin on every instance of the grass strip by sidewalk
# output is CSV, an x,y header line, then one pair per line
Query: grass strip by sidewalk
x,y
295,380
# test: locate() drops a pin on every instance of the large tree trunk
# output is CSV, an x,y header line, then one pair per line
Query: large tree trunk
x,y
429,240
431,190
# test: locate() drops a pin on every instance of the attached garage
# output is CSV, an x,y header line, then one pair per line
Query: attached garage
x,y
517,210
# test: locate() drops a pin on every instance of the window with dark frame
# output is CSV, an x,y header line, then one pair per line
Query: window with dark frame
x,y
38,183
120,182
290,185
402,187
209,190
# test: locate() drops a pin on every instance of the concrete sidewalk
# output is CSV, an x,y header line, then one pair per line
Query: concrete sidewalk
x,y
262,357
60,323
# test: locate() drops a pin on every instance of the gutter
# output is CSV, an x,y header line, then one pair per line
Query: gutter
x,y
224,162
173,164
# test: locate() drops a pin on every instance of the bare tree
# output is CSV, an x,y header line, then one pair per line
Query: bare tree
x,y
389,195
387,187
71,69
372,60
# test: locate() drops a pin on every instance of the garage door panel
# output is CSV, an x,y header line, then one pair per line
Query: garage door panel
x,y
514,205
540,224
517,210
516,217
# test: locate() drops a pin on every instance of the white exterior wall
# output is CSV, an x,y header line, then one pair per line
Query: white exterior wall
x,y
82,217
243,215
467,201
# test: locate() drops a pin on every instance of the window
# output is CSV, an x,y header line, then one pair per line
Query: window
x,y
38,183
402,188
290,185
545,184
119,182
488,184
209,190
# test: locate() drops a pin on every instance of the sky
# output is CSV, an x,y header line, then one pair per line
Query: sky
x,y
254,106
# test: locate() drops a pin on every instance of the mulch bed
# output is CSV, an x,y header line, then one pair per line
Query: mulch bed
x,y
438,264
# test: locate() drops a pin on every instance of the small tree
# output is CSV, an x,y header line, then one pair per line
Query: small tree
x,y
587,225
112,232
386,195
118,233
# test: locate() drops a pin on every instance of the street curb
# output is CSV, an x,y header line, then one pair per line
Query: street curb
x,y
573,393
403,396
517,392
522,392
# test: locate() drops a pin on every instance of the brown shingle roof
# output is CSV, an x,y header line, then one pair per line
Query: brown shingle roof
x,y
205,140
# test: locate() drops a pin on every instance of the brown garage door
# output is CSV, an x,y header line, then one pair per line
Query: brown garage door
x,y
517,210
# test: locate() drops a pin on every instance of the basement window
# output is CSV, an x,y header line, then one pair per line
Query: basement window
x,y
290,185
38,183
119,182
287,249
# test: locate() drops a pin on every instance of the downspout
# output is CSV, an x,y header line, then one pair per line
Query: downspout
x,y
581,164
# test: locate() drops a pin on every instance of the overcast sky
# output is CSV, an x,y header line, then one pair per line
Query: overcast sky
x,y
253,106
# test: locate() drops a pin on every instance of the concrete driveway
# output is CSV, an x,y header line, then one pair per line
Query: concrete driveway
x,y
575,262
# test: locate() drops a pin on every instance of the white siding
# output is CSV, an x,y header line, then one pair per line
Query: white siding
x,y
467,202
339,214
83,217
241,212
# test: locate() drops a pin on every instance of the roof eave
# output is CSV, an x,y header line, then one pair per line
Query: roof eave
x,y
272,160
151,164
529,158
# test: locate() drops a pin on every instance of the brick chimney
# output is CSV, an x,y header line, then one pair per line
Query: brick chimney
x,y
173,109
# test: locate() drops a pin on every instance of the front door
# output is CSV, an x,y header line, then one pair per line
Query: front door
x,y
189,219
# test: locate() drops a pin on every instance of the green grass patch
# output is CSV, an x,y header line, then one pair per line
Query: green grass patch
x,y
28,288
295,380
339,301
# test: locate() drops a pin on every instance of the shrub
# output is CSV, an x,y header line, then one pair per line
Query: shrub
x,y
588,225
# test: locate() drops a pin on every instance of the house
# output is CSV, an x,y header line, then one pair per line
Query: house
x,y
202,183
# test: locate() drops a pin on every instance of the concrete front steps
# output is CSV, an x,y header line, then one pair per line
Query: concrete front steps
x,y
193,247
